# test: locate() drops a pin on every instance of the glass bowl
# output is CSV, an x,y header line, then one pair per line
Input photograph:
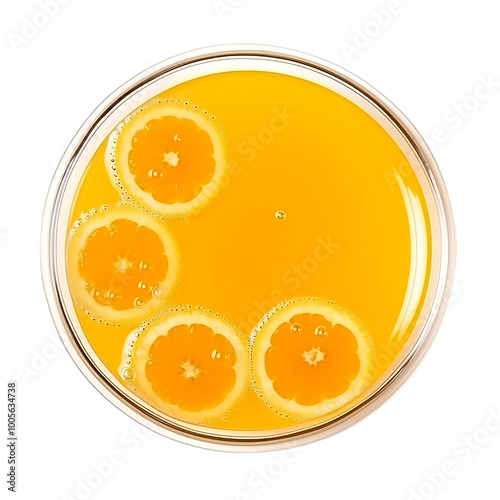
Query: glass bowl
x,y
221,59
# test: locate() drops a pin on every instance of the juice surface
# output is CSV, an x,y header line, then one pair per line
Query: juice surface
x,y
309,208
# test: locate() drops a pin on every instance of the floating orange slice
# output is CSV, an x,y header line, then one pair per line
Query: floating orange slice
x,y
310,356
190,364
122,265
168,157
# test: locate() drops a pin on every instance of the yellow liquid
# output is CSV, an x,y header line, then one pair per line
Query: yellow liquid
x,y
343,232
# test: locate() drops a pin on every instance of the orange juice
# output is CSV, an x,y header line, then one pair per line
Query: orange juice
x,y
314,203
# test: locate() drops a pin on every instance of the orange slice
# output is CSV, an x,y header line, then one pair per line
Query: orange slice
x,y
309,357
122,265
191,364
168,157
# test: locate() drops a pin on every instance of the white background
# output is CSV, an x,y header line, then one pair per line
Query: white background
x,y
429,58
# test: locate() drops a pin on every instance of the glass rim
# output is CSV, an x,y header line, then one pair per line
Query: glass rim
x,y
252,441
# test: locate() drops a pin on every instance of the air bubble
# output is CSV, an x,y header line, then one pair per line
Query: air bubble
x,y
141,285
152,172
321,331
114,297
140,352
158,292
146,265
138,302
128,374
280,214
296,328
